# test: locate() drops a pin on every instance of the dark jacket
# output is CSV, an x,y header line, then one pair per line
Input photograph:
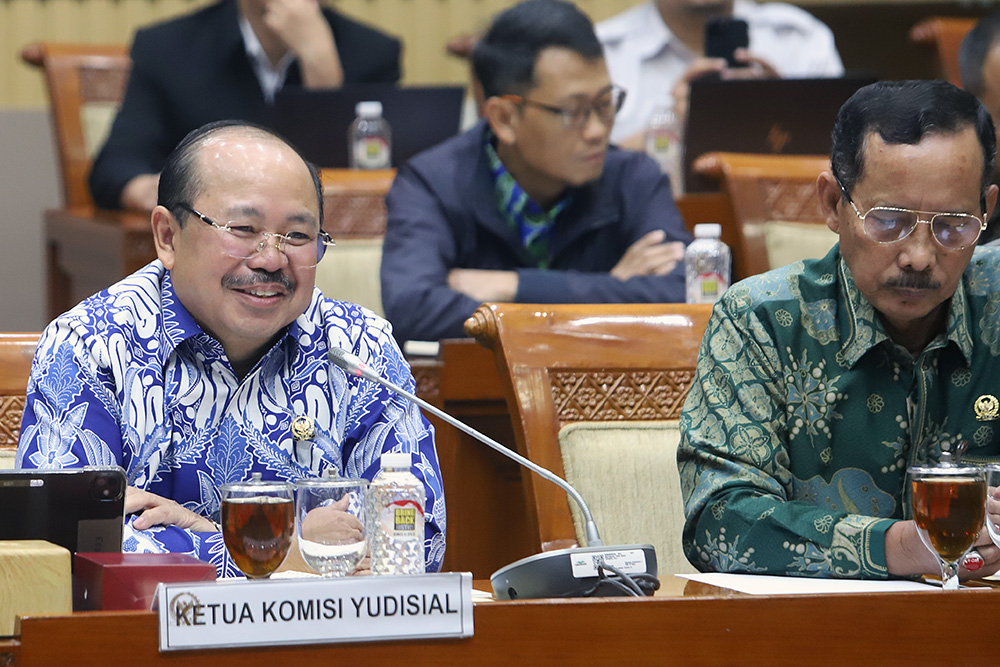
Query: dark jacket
x,y
194,70
443,215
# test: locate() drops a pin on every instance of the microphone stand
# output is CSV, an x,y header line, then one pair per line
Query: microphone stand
x,y
536,568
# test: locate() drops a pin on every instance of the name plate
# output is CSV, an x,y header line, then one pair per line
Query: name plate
x,y
205,615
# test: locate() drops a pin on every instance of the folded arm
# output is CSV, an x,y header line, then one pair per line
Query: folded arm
x,y
427,295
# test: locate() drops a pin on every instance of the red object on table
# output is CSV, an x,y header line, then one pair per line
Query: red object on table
x,y
128,581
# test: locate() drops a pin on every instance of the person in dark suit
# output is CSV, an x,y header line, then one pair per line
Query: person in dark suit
x,y
226,61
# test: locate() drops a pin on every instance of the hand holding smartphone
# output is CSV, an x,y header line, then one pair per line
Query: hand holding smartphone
x,y
723,36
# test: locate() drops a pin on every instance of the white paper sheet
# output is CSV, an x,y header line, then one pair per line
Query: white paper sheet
x,y
759,584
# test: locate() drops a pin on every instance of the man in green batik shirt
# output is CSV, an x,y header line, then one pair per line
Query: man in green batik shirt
x,y
819,383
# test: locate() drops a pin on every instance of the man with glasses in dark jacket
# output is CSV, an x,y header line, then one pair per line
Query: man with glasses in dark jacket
x,y
532,205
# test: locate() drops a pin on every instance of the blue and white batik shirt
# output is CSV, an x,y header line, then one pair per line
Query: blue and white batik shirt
x,y
129,378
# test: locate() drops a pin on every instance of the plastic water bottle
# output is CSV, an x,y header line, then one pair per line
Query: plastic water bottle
x,y
370,138
706,265
396,500
663,144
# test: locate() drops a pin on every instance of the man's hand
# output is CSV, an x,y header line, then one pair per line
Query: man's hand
x,y
159,511
756,68
906,555
483,286
304,31
331,524
649,256
993,507
139,194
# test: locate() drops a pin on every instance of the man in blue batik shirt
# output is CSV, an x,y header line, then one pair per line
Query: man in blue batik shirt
x,y
190,372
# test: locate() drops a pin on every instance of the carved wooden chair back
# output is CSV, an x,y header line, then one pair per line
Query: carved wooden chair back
x,y
944,34
355,215
16,352
86,83
569,364
776,210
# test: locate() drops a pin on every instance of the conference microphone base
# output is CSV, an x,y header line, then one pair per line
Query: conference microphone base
x,y
568,573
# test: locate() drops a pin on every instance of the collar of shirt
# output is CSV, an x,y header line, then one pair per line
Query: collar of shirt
x,y
647,32
533,223
271,78
649,35
179,325
861,317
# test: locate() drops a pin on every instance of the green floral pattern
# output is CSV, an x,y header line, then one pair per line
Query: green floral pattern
x,y
804,417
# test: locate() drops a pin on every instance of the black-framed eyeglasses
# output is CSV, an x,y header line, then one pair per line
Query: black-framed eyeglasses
x,y
242,240
605,104
888,224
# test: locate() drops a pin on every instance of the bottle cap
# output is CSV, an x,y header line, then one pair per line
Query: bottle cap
x,y
397,460
708,230
368,109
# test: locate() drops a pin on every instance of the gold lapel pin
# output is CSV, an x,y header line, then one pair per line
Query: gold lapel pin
x,y
304,428
987,408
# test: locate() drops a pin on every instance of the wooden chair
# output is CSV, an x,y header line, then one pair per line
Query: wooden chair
x,y
599,385
776,212
944,34
355,215
16,352
86,83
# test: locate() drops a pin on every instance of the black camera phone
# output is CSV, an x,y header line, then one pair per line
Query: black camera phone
x,y
81,509
723,36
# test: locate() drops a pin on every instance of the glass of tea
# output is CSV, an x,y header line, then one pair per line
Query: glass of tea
x,y
330,523
258,518
949,504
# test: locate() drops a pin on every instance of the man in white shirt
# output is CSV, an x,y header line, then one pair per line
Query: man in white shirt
x,y
654,49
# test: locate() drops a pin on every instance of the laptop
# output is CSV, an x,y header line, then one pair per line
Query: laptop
x,y
317,121
786,116
81,509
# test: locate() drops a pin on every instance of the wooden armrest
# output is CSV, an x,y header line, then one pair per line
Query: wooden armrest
x,y
710,165
482,325
33,54
462,45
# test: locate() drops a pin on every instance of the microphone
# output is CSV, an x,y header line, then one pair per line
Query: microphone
x,y
559,573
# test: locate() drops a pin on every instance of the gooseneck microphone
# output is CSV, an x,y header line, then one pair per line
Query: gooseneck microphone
x,y
353,365
531,574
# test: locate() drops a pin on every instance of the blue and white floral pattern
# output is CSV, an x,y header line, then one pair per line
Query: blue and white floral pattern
x,y
129,378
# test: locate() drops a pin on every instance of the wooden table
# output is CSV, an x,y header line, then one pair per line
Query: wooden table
x,y
926,628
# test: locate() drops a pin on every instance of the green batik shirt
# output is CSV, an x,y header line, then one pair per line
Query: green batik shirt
x,y
804,417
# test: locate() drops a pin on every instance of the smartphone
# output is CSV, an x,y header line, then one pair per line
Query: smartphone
x,y
81,509
723,36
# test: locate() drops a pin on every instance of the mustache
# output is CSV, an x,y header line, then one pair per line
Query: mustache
x,y
913,280
259,277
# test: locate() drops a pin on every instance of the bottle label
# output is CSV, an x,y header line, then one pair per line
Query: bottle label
x,y
371,153
403,520
711,285
659,141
